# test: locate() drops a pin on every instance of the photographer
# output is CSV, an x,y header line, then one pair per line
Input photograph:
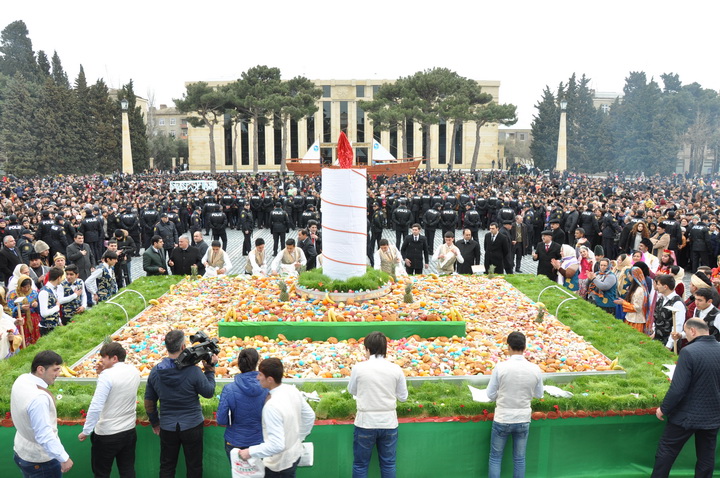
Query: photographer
x,y
180,419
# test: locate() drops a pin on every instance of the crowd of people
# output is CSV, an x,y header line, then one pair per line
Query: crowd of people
x,y
623,243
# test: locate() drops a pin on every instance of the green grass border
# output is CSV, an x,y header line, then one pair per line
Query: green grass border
x,y
641,357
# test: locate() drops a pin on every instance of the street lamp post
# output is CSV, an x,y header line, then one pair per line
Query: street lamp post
x,y
127,163
561,162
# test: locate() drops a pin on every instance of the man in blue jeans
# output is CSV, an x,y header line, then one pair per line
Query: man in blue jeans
x,y
377,384
513,384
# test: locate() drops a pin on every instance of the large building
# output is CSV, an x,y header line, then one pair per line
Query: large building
x,y
169,122
339,110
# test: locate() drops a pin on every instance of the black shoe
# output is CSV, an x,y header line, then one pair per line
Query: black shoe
x,y
518,270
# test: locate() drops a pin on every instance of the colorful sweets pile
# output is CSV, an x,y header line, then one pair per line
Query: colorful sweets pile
x,y
491,309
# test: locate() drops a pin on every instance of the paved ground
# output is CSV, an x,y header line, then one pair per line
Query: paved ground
x,y
235,240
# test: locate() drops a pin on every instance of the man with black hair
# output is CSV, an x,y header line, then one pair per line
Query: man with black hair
x,y
110,421
513,384
306,245
49,302
667,303
246,223
692,404
289,260
179,421
154,261
378,385
286,418
415,251
38,451
256,264
705,309
102,283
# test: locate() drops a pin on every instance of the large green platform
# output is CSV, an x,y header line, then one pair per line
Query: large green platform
x,y
577,447
340,330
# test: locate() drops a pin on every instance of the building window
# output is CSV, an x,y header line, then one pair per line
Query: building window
x,y
376,132
605,108
171,134
326,155
227,138
183,122
183,132
459,144
326,91
394,142
360,126
344,117
501,136
173,121
244,144
442,139
521,136
327,121
294,139
361,155
360,91
310,121
261,144
278,145
376,88
161,122
409,139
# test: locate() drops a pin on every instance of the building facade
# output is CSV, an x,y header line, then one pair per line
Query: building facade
x,y
339,110
168,122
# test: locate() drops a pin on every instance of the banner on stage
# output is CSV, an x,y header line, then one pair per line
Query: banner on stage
x,y
193,185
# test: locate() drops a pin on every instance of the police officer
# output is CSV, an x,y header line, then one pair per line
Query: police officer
x,y
308,215
472,220
58,240
14,228
92,228
246,224
266,207
209,207
227,201
298,207
431,221
149,217
43,229
378,222
255,208
402,218
589,223
448,219
196,221
218,223
279,226
130,221
700,243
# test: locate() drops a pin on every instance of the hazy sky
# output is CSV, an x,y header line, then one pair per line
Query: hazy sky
x,y
523,44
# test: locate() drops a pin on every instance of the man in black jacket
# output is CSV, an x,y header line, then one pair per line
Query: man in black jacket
x,y
414,249
279,226
470,251
692,404
378,222
545,252
180,419
497,249
431,221
183,257
9,258
246,224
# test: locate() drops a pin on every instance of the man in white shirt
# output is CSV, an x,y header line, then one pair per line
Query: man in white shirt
x,y
377,384
388,259
216,261
256,264
513,384
286,420
289,260
110,420
447,255
38,451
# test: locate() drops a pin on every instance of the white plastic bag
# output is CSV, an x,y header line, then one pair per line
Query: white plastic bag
x,y
253,468
308,456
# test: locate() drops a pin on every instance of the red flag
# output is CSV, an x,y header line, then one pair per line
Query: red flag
x,y
344,152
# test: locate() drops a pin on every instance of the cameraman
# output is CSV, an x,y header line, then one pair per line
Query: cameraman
x,y
180,422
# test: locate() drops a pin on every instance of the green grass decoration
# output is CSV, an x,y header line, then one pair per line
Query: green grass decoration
x,y
315,279
643,387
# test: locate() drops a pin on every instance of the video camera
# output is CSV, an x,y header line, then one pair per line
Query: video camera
x,y
203,349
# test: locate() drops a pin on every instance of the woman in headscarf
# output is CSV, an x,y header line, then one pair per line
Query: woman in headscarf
x,y
568,268
636,302
587,264
23,303
20,270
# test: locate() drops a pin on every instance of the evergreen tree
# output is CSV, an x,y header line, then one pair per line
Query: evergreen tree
x,y
16,53
54,145
81,121
17,127
43,65
106,127
58,73
298,100
138,137
544,130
